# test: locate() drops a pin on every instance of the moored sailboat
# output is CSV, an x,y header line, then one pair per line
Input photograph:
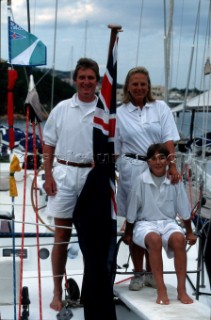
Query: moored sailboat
x,y
42,248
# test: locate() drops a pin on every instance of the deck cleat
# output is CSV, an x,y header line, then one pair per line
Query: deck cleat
x,y
65,313
25,304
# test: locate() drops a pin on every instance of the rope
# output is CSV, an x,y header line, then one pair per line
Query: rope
x,y
37,225
187,169
23,213
13,256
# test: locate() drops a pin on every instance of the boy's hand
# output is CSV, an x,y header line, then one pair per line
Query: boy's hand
x,y
127,239
191,238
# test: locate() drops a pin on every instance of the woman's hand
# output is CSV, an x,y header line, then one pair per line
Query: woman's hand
x,y
173,174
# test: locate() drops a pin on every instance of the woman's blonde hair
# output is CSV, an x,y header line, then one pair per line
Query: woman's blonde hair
x,y
126,94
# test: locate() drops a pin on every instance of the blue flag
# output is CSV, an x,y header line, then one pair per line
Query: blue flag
x,y
25,48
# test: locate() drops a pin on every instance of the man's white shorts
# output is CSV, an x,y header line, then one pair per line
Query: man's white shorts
x,y
70,181
164,228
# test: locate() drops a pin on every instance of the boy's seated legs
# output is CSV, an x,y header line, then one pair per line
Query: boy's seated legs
x,y
177,244
138,254
153,243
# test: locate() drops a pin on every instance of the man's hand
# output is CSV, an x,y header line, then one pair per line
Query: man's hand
x,y
50,186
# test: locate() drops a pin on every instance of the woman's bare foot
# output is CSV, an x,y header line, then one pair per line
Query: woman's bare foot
x,y
56,303
162,297
184,298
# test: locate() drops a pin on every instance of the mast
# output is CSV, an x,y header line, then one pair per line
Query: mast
x,y
85,38
54,55
0,30
71,67
165,54
139,33
167,45
28,16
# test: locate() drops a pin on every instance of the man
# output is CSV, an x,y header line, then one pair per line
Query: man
x,y
68,137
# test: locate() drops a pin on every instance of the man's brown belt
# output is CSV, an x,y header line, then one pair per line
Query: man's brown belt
x,y
75,164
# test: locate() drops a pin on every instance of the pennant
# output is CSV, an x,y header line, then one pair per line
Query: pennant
x,y
25,48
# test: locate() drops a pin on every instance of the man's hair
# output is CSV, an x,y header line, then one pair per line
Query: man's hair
x,y
86,63
126,94
157,147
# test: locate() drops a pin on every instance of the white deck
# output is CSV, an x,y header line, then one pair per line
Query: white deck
x,y
143,304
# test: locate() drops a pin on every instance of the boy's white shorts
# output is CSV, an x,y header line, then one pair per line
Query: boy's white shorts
x,y
164,228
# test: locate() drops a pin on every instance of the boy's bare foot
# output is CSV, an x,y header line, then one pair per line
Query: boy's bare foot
x,y
162,297
184,298
56,303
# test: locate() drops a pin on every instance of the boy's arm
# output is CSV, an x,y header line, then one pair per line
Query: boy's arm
x,y
128,236
190,236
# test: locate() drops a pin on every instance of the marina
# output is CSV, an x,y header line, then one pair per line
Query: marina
x,y
27,232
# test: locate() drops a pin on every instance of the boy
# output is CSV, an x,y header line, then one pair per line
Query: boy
x,y
153,205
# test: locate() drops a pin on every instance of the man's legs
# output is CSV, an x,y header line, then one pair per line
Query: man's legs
x,y
58,259
177,244
153,243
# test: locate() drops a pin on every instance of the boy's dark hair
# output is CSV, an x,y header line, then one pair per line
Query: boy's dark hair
x,y
157,147
86,63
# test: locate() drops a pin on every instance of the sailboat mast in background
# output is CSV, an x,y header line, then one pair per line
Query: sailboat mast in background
x,y
167,44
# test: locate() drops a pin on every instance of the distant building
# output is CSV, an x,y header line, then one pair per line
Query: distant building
x,y
158,92
119,95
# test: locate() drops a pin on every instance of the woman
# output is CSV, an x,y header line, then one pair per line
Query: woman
x,y
141,121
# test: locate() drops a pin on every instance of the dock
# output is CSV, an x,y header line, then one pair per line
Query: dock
x,y
143,304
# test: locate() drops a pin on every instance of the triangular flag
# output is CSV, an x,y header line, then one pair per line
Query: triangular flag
x,y
25,48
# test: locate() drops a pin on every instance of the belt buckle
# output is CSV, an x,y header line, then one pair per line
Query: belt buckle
x,y
66,163
137,156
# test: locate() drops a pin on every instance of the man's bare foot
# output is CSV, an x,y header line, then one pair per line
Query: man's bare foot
x,y
56,303
162,297
184,298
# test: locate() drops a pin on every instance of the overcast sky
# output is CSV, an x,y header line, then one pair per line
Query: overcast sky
x,y
82,31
